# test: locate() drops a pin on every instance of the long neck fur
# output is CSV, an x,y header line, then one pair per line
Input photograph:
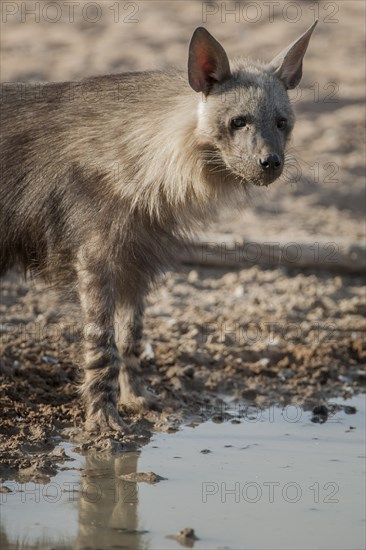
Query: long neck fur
x,y
168,169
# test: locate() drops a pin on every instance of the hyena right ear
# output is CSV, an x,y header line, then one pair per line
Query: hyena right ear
x,y
207,62
288,64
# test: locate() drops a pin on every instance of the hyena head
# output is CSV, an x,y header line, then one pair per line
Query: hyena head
x,y
244,113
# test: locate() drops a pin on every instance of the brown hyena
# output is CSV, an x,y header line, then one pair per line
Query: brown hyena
x,y
96,195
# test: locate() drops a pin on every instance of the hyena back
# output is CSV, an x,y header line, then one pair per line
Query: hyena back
x,y
102,179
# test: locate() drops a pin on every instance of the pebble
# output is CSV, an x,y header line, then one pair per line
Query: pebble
x,y
239,292
188,371
345,379
142,477
192,276
50,360
348,409
320,414
263,362
185,537
148,353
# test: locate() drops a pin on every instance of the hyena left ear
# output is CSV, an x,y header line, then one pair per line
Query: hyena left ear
x,y
288,64
207,61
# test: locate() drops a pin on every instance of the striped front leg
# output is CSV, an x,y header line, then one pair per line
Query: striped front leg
x,y
133,395
100,388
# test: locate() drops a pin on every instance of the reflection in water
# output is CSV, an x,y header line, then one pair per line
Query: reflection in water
x,y
94,508
4,543
108,504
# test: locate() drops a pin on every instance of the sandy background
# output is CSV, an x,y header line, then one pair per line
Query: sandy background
x,y
325,197
274,335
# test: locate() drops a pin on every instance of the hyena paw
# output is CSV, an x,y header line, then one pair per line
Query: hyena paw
x,y
133,396
138,400
104,419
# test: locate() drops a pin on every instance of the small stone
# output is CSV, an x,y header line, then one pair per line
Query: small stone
x,y
188,371
320,409
320,414
187,532
148,353
186,537
59,452
239,292
172,372
249,394
49,360
192,276
345,379
285,374
142,477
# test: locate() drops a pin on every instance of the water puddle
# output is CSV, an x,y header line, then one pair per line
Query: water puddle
x,y
273,479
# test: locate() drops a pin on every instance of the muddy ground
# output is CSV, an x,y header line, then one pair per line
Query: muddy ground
x,y
257,335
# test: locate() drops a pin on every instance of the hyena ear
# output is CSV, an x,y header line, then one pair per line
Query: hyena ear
x,y
207,61
288,64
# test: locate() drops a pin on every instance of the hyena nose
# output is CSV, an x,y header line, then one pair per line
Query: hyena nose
x,y
271,162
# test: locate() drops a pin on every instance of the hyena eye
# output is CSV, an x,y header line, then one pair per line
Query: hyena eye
x,y
282,124
238,122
